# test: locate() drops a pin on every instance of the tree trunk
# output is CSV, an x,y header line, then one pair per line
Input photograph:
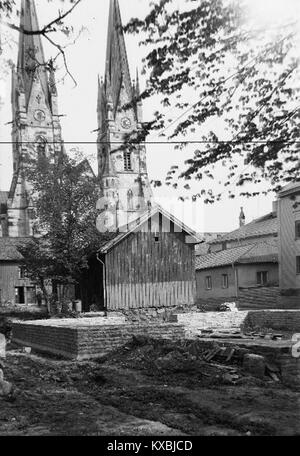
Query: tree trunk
x,y
45,294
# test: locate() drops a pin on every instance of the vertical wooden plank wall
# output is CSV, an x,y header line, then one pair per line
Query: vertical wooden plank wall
x,y
143,273
9,279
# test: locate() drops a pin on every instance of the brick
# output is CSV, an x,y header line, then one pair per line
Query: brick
x,y
88,341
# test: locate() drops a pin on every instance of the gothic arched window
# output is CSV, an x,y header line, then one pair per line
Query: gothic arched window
x,y
127,161
130,200
41,146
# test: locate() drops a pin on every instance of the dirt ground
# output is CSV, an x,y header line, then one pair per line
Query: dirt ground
x,y
149,388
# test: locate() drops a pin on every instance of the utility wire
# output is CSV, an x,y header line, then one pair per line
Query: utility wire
x,y
237,142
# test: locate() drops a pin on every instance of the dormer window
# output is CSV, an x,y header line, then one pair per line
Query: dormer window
x,y
127,161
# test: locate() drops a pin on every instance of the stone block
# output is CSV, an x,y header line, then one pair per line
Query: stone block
x,y
254,364
6,388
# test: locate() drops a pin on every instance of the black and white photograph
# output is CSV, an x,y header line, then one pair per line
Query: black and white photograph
x,y
150,221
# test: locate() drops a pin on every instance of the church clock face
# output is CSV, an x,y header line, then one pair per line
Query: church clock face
x,y
39,115
125,123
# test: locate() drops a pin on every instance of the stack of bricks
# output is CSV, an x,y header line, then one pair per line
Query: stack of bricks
x,y
73,340
281,320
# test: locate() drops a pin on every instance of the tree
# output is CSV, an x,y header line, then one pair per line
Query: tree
x,y
63,198
244,75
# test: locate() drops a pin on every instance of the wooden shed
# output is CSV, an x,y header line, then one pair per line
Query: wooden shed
x,y
15,287
151,263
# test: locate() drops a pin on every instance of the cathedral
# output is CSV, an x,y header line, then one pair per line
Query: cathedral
x,y
122,173
120,275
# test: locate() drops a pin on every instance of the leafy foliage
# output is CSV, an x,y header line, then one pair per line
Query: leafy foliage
x,y
63,194
245,76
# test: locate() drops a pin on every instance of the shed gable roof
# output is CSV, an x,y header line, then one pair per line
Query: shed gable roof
x,y
137,224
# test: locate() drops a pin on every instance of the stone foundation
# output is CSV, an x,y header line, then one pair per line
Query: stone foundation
x,y
282,320
152,314
77,339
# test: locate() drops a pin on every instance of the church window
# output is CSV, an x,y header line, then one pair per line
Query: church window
x,y
41,146
130,200
127,161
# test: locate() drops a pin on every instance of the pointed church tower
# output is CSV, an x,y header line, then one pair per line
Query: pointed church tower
x,y
36,126
122,171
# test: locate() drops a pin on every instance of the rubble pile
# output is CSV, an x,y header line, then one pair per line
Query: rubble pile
x,y
219,364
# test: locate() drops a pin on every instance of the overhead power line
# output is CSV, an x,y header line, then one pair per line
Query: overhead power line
x,y
234,142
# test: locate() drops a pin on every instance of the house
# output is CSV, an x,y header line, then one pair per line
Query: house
x,y
241,260
289,239
224,273
15,287
151,264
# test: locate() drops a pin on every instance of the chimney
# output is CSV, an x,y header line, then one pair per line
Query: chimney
x,y
274,208
242,217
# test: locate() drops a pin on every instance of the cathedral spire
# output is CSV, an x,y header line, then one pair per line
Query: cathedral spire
x,y
31,59
117,68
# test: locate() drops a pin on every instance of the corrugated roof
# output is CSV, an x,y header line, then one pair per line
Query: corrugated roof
x,y
262,252
262,226
9,248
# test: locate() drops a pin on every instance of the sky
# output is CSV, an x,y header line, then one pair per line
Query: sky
x,y
77,105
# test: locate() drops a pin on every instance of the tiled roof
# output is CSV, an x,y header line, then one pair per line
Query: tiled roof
x,y
207,238
253,253
262,226
265,252
9,248
222,258
202,249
